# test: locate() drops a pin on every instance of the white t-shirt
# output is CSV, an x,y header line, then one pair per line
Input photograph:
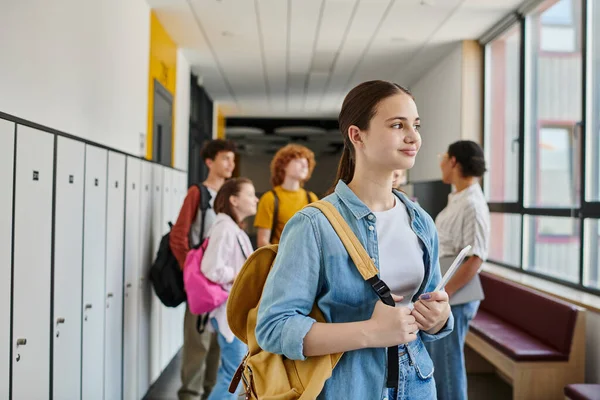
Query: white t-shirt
x,y
400,254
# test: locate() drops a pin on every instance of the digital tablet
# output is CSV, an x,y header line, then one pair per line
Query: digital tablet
x,y
453,268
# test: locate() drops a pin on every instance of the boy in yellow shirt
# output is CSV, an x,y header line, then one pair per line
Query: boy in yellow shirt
x,y
291,168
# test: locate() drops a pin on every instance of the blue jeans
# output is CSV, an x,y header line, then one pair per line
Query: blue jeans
x,y
415,379
232,355
449,357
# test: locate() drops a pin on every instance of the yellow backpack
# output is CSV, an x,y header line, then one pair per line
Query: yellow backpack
x,y
268,376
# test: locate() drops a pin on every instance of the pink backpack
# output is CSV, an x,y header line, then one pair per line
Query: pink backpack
x,y
203,296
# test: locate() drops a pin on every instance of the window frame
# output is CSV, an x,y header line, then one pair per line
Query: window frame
x,y
584,210
488,101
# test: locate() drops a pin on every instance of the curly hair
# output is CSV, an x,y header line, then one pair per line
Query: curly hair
x,y
283,157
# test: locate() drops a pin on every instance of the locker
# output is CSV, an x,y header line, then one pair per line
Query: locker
x,y
68,269
157,232
94,261
177,315
184,187
32,264
132,261
7,152
166,313
145,291
115,214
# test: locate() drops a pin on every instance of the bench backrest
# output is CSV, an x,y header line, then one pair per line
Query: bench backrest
x,y
550,320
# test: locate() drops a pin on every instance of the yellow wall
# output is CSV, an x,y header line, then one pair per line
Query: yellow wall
x,y
163,68
220,124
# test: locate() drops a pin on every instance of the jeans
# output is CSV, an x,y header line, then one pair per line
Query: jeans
x,y
232,355
415,380
449,357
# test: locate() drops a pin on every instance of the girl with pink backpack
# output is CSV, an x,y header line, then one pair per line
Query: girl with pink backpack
x,y
227,249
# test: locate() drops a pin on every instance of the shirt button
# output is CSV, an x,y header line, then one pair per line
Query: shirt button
x,y
371,227
373,259
370,217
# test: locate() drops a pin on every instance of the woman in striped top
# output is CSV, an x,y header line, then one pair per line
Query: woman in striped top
x,y
464,221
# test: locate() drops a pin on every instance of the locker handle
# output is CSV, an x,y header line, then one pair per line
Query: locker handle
x,y
88,306
109,295
128,285
21,342
60,321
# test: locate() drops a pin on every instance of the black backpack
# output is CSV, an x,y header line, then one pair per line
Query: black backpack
x,y
165,273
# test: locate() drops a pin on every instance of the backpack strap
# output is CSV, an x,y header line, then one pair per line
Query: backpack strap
x,y
308,199
205,198
367,270
275,214
276,211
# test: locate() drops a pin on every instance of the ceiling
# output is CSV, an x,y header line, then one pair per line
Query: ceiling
x,y
300,57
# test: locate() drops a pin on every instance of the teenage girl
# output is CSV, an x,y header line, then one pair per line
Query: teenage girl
x,y
380,125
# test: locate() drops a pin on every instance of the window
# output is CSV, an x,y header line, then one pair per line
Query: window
x,y
593,112
502,120
549,250
553,112
543,146
558,28
554,173
591,255
505,238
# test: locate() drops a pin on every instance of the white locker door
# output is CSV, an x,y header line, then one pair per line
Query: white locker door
x,y
115,214
94,256
32,259
166,323
184,188
176,203
132,261
145,289
158,230
181,315
68,269
7,152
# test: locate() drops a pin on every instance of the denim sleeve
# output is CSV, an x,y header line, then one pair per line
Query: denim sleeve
x,y
436,277
290,291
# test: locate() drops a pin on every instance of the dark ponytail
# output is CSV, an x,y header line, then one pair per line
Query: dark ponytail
x,y
359,107
469,155
346,166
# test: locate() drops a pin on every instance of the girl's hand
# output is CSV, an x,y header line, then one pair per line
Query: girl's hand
x,y
391,326
431,312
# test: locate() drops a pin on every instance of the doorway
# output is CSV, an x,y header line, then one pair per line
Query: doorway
x,y
162,126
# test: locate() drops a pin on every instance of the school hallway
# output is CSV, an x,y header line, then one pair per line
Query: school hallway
x,y
102,144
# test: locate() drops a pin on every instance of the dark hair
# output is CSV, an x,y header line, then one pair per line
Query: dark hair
x,y
359,107
469,156
213,147
230,188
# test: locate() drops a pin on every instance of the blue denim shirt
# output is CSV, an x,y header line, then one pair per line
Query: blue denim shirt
x,y
312,265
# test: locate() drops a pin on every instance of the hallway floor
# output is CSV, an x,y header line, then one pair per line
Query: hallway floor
x,y
481,387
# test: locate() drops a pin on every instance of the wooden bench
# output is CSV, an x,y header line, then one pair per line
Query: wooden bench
x,y
534,342
582,392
